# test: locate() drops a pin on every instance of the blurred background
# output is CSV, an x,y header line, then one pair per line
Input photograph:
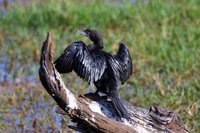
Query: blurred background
x,y
163,37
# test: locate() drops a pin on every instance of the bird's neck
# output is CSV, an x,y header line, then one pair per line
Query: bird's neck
x,y
100,43
97,45
92,47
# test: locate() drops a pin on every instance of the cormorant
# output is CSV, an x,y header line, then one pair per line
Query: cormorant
x,y
98,67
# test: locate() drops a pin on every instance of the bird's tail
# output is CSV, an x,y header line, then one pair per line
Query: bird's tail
x,y
119,107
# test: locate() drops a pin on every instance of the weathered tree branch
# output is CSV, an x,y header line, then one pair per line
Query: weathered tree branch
x,y
93,113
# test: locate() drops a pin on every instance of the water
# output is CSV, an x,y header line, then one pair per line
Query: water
x,y
24,104
26,107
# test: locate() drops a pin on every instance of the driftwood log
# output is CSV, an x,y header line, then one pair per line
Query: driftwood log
x,y
93,113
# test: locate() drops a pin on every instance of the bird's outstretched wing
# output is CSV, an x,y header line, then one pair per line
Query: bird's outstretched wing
x,y
121,63
88,65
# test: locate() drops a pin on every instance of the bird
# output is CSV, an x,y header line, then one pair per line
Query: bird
x,y
102,69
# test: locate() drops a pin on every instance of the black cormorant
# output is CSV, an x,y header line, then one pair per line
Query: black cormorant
x,y
98,67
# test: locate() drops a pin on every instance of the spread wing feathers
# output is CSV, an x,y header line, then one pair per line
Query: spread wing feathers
x,y
121,63
64,63
88,65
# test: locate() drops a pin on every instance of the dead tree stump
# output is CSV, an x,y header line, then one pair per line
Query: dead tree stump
x,y
93,113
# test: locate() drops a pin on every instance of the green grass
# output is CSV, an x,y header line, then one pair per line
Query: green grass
x,y
162,36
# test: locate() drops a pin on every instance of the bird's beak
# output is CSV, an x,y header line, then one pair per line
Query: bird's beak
x,y
82,32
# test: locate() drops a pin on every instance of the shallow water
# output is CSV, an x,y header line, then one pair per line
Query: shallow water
x,y
25,106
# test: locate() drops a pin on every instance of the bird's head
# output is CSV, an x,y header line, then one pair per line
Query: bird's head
x,y
94,36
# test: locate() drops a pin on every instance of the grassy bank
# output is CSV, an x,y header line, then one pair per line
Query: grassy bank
x,y
163,38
